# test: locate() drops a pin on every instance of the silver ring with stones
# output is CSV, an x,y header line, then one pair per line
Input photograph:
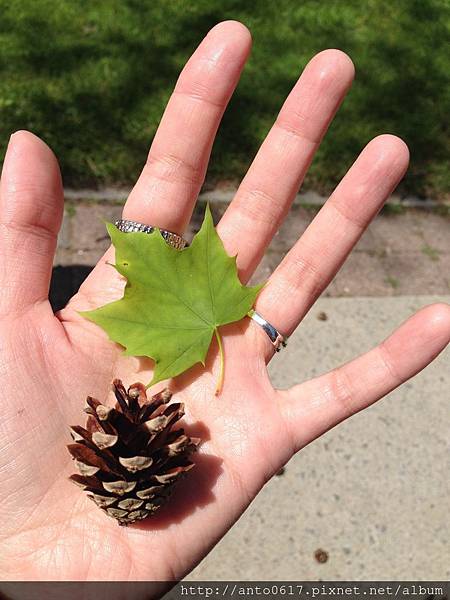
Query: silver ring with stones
x,y
173,239
277,339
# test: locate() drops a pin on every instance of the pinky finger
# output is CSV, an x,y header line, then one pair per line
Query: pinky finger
x,y
313,407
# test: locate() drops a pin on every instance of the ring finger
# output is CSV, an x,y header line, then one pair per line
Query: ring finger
x,y
311,264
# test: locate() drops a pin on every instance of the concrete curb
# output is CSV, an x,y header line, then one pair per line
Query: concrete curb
x,y
308,198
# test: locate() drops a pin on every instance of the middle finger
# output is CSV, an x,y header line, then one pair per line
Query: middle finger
x,y
267,191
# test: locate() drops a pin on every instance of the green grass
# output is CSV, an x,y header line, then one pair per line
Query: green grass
x,y
92,79
393,208
432,253
392,281
70,209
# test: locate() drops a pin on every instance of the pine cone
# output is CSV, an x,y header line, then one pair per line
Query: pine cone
x,y
128,456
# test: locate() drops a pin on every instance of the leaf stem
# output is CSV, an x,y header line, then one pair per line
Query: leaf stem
x,y
222,362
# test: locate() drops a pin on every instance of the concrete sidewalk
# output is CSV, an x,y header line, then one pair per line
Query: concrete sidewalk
x,y
399,254
374,493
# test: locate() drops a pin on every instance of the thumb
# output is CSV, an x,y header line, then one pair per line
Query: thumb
x,y
31,206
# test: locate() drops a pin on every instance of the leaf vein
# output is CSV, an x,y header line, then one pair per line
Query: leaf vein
x,y
208,268
165,282
185,351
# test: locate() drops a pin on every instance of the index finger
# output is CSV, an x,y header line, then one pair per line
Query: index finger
x,y
167,189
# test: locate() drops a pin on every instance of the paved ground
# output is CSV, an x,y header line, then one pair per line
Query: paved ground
x,y
400,254
374,494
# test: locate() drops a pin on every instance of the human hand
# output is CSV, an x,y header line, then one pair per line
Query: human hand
x,y
50,363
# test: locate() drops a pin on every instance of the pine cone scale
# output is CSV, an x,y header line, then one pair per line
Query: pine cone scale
x,y
136,463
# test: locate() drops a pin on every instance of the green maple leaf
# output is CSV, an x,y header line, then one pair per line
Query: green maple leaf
x,y
174,300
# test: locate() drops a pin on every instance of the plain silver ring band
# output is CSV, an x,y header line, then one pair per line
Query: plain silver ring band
x,y
173,239
277,339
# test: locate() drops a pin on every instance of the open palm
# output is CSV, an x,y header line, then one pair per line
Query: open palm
x,y
50,363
